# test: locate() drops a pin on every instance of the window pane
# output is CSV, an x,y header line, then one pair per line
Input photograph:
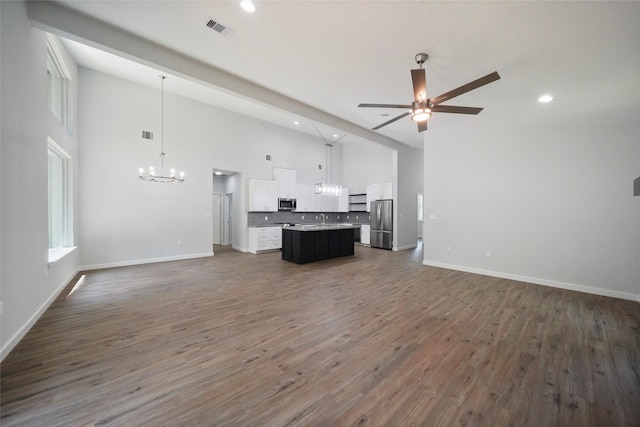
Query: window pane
x,y
56,198
56,86
60,206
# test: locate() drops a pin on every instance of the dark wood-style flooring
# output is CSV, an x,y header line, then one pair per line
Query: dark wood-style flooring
x,y
377,339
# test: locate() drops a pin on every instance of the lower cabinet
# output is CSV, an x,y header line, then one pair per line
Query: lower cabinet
x,y
365,234
264,238
308,246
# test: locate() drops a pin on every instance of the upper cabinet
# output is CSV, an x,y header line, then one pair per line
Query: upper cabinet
x,y
286,179
309,201
379,192
305,198
343,200
263,195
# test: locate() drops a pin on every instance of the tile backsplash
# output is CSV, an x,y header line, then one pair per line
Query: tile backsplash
x,y
256,219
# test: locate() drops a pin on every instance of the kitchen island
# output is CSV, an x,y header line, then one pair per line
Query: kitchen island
x,y
315,242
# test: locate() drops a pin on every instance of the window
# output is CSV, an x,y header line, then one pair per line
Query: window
x,y
60,200
57,87
420,207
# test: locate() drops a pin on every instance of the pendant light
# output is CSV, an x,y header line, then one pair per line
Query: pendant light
x,y
327,187
158,175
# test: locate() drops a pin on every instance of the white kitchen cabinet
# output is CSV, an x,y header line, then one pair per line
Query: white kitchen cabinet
x,y
264,239
305,198
378,192
309,201
286,179
343,201
365,234
263,195
325,203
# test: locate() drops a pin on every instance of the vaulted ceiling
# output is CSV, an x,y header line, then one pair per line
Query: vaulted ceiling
x,y
333,55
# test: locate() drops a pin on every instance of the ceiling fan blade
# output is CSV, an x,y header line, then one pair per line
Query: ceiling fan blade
x,y
466,88
454,109
419,79
422,126
392,120
385,106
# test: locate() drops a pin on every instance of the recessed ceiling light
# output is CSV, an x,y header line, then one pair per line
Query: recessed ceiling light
x,y
248,6
218,173
335,135
545,98
296,123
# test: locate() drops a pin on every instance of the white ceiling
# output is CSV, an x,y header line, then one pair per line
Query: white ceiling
x,y
333,55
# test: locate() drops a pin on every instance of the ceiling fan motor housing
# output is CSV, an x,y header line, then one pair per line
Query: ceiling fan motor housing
x,y
421,58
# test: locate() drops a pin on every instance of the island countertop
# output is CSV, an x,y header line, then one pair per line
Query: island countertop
x,y
322,227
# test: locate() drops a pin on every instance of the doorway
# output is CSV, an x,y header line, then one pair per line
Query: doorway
x,y
225,184
221,214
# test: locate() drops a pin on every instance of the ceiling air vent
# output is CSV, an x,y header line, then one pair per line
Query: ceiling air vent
x,y
218,27
147,135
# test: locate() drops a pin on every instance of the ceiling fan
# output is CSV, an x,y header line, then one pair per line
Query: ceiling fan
x,y
422,107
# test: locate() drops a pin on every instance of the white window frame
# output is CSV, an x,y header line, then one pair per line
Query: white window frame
x,y
60,183
58,78
420,207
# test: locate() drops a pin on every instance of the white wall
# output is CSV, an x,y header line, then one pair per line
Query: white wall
x,y
28,283
126,220
552,206
410,168
367,163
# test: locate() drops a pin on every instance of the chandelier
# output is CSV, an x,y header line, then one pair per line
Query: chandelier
x,y
158,175
326,187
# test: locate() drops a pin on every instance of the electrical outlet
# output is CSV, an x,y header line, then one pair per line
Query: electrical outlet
x,y
432,217
266,218
487,252
448,248
178,243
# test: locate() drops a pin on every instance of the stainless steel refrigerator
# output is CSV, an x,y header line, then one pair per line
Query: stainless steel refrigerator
x,y
382,224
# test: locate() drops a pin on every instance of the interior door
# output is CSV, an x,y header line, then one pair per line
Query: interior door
x,y
227,219
216,215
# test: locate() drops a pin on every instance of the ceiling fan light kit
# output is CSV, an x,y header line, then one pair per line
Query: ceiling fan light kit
x,y
420,112
422,107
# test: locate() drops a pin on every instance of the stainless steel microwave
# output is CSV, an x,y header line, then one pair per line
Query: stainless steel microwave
x,y
286,204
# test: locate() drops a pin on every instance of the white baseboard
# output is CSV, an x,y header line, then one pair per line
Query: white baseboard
x,y
537,281
15,339
403,248
143,261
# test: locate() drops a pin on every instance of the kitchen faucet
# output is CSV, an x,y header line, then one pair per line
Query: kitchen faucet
x,y
322,215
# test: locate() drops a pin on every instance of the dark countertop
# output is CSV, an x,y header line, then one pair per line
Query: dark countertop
x,y
322,227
